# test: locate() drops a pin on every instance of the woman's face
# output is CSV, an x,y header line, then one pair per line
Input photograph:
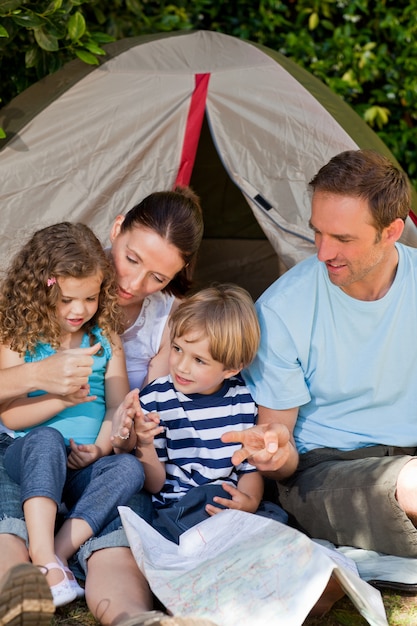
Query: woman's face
x,y
144,261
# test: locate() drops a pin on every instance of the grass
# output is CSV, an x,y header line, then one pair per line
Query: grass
x,y
401,611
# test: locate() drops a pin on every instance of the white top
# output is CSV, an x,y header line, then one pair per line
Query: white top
x,y
142,340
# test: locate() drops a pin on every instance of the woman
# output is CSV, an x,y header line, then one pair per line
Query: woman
x,y
154,248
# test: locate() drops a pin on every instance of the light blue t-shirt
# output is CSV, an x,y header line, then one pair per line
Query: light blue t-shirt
x,y
81,422
350,365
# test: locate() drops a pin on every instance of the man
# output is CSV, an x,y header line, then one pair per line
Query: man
x,y
336,373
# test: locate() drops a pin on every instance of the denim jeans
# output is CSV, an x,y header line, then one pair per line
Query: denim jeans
x,y
11,515
173,520
38,463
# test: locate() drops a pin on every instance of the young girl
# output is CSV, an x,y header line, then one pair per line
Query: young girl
x,y
60,292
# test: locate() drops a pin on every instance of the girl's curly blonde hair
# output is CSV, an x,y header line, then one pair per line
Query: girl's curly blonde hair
x,y
30,291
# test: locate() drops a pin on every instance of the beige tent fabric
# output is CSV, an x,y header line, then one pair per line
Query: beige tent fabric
x,y
116,135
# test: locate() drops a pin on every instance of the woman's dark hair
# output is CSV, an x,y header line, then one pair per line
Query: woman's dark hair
x,y
176,216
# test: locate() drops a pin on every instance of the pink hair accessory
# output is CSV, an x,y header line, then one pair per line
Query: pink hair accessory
x,y
51,281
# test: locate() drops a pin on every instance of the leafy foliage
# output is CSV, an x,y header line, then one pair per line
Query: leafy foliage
x,y
364,50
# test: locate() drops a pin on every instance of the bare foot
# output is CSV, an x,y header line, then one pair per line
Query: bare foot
x,y
332,593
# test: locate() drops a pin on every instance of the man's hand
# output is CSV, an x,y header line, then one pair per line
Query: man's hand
x,y
266,446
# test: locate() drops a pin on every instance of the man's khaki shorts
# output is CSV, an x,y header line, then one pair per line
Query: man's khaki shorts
x,y
349,498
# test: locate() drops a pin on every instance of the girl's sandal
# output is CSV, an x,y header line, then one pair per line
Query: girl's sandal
x,y
72,580
63,592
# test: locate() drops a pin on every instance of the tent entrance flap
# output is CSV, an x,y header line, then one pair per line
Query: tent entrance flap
x,y
193,129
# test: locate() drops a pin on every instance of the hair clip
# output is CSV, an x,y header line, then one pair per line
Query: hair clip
x,y
51,281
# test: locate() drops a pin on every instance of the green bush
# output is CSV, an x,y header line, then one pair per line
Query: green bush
x,y
364,51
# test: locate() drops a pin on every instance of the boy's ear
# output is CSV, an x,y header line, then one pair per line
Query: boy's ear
x,y
230,373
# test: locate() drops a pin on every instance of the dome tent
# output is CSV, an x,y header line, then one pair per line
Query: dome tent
x,y
245,126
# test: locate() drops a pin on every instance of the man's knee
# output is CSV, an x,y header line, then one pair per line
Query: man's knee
x,y
407,488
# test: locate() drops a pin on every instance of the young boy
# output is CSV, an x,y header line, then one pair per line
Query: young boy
x,y
177,433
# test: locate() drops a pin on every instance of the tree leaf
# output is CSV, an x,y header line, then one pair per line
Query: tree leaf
x,y
31,56
2,133
28,20
313,21
93,47
3,32
53,7
45,40
9,5
76,26
87,57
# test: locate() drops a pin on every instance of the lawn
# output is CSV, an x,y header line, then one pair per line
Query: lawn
x,y
401,611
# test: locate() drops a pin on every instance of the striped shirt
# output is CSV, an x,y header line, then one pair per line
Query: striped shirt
x,y
191,445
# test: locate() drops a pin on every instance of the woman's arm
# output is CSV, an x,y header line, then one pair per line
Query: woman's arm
x,y
62,373
23,411
158,366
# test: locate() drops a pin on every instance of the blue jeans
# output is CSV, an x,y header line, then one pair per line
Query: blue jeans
x,y
38,463
173,520
11,515
12,521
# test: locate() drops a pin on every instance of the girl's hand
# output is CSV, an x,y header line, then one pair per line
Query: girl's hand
x,y
240,501
147,428
82,455
79,396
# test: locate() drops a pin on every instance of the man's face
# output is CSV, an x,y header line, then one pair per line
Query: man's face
x,y
356,255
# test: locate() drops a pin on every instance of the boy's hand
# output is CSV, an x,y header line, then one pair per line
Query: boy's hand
x,y
147,428
240,501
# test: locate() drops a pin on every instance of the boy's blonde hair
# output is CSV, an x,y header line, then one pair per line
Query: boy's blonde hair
x,y
226,315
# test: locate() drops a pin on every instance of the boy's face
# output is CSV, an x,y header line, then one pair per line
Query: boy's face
x,y
192,368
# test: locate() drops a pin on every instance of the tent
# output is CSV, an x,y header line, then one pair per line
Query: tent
x,y
245,126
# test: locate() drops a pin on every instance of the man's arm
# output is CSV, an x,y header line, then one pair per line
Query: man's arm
x,y
269,445
62,373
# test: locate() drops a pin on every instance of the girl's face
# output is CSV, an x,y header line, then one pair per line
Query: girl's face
x,y
192,368
144,261
78,301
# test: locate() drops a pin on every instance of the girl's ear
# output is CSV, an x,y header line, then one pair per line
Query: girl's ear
x,y
116,226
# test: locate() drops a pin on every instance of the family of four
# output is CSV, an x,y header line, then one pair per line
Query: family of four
x,y
316,390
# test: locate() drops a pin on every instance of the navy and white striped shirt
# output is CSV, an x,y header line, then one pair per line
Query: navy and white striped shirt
x,y
190,445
